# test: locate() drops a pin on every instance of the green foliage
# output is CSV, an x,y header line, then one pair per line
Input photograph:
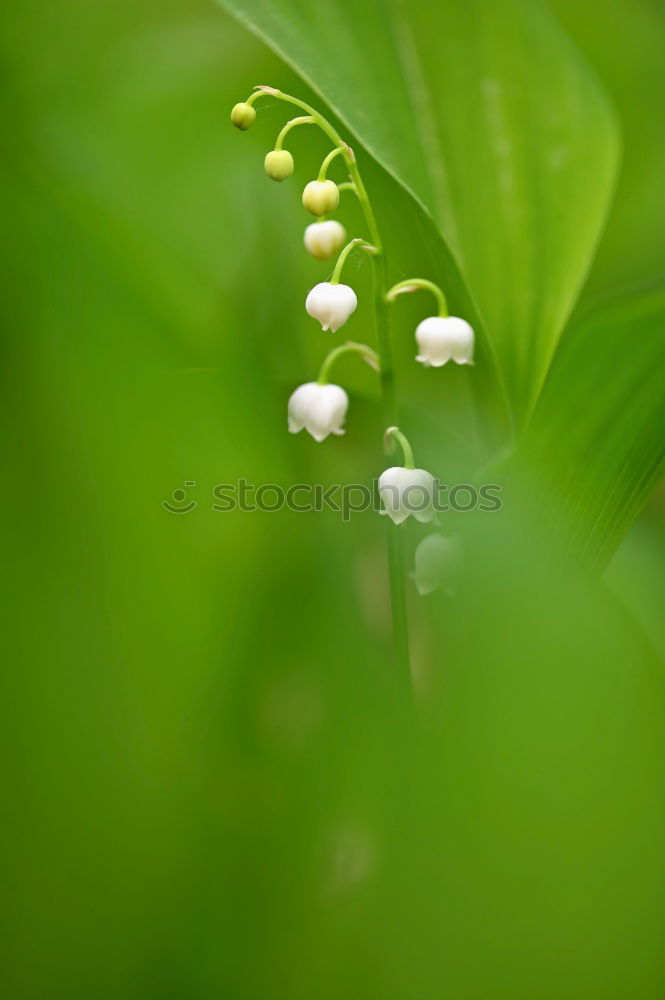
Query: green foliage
x,y
598,433
521,146
213,788
488,116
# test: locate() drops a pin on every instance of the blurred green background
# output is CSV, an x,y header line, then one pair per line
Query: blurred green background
x,y
213,786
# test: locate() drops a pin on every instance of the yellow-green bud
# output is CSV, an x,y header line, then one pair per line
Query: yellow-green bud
x,y
243,116
279,164
320,197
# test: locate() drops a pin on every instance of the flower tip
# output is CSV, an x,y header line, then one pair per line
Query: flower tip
x,y
424,516
423,588
397,516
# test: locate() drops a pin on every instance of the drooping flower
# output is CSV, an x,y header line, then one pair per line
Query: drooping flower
x,y
320,409
437,563
331,304
442,338
278,164
320,197
243,116
405,492
323,239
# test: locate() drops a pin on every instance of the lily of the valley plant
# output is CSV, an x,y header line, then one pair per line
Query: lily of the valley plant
x,y
321,407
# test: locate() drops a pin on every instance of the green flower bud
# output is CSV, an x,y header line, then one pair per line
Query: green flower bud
x,y
243,116
320,197
279,164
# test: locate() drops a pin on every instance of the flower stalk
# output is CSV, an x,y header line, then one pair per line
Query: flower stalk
x,y
365,352
341,260
327,161
303,120
440,338
413,285
395,434
382,323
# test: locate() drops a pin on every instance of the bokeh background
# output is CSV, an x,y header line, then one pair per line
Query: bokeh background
x,y
214,785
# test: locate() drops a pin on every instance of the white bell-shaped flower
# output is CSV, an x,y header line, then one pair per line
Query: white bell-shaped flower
x,y
320,409
323,239
331,304
437,563
442,338
407,491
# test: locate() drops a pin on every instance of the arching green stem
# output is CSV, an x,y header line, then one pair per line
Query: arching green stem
x,y
346,186
412,285
361,244
365,352
336,140
328,160
258,92
395,434
304,120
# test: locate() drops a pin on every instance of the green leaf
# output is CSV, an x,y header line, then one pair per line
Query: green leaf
x,y
632,252
489,117
598,430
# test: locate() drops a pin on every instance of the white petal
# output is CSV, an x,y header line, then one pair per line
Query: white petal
x,y
461,340
437,561
407,491
390,492
331,304
320,409
417,494
323,239
441,338
298,407
326,411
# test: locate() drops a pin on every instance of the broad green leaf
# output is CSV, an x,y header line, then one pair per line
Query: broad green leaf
x,y
598,430
636,575
627,54
607,453
489,117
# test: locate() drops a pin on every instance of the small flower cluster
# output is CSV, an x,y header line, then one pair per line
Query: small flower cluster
x,y
320,407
